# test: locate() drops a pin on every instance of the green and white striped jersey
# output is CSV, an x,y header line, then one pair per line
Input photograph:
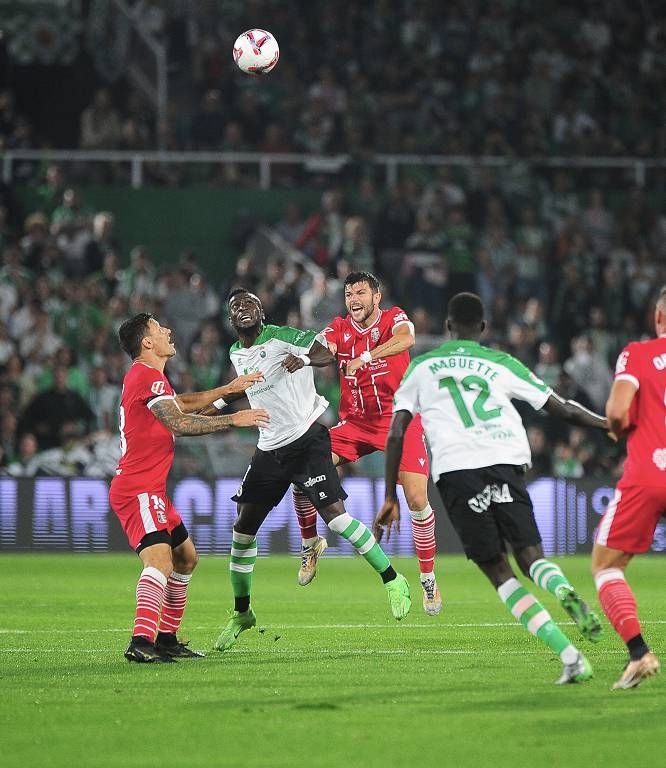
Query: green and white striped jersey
x,y
463,392
290,398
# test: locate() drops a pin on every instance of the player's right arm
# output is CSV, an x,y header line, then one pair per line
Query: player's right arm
x,y
623,391
573,412
169,414
331,333
528,387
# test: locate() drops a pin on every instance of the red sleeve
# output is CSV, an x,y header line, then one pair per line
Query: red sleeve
x,y
151,386
398,317
629,364
332,331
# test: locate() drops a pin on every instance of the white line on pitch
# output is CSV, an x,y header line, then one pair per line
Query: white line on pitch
x,y
332,651
213,627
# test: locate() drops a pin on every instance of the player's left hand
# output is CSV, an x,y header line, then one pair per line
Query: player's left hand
x,y
353,365
292,363
386,518
243,382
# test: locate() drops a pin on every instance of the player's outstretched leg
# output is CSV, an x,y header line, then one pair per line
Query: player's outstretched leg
x,y
312,545
361,538
550,577
619,604
423,533
241,567
538,622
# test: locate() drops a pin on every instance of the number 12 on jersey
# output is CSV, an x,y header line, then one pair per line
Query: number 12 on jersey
x,y
470,384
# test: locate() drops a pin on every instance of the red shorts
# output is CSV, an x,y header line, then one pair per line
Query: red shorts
x,y
143,513
351,439
632,515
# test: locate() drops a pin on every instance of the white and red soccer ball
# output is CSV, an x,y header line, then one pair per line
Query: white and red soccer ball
x,y
256,52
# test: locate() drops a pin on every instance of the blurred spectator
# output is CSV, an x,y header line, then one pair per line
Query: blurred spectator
x,y
26,462
104,400
100,123
47,412
589,370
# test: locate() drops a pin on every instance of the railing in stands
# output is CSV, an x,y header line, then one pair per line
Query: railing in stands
x,y
321,164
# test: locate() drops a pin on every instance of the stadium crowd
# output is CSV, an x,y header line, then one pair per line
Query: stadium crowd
x,y
398,77
566,261
567,281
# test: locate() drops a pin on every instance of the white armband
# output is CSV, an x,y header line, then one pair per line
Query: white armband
x,y
220,403
366,356
305,359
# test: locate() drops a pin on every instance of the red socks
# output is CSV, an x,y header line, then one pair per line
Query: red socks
x,y
173,606
306,514
423,531
618,602
149,597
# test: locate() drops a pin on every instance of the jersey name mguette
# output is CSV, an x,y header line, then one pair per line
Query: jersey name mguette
x,y
463,392
290,398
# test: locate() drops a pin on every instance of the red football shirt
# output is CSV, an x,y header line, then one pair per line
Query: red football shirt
x,y
146,445
368,394
643,363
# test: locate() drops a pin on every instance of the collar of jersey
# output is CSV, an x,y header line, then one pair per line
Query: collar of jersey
x,y
365,330
461,342
261,338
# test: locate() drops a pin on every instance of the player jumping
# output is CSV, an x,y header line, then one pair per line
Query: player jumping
x,y
635,408
463,391
151,414
372,350
293,448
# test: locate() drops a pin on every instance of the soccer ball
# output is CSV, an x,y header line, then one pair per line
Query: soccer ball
x,y
256,52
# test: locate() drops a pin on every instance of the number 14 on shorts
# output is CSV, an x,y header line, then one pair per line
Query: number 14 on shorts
x,y
159,506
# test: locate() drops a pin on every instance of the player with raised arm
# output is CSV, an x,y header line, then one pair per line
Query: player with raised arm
x,y
635,408
463,392
151,415
372,346
293,448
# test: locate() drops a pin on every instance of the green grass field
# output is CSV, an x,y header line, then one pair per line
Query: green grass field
x,y
330,679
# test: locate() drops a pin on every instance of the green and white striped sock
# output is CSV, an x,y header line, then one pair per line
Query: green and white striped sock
x,y
241,564
536,619
549,577
361,538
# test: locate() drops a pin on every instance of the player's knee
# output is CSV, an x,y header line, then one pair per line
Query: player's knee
x,y
417,501
186,562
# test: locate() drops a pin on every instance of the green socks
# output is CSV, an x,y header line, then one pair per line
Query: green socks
x,y
241,564
361,538
536,619
549,577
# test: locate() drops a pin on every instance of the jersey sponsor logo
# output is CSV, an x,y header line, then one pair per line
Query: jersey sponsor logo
x,y
157,388
322,495
374,335
491,493
400,317
659,362
422,462
313,481
659,458
621,365
347,336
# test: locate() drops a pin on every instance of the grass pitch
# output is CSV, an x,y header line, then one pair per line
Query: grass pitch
x,y
328,678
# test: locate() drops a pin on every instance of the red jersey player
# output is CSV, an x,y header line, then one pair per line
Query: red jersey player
x,y
151,414
371,346
635,407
